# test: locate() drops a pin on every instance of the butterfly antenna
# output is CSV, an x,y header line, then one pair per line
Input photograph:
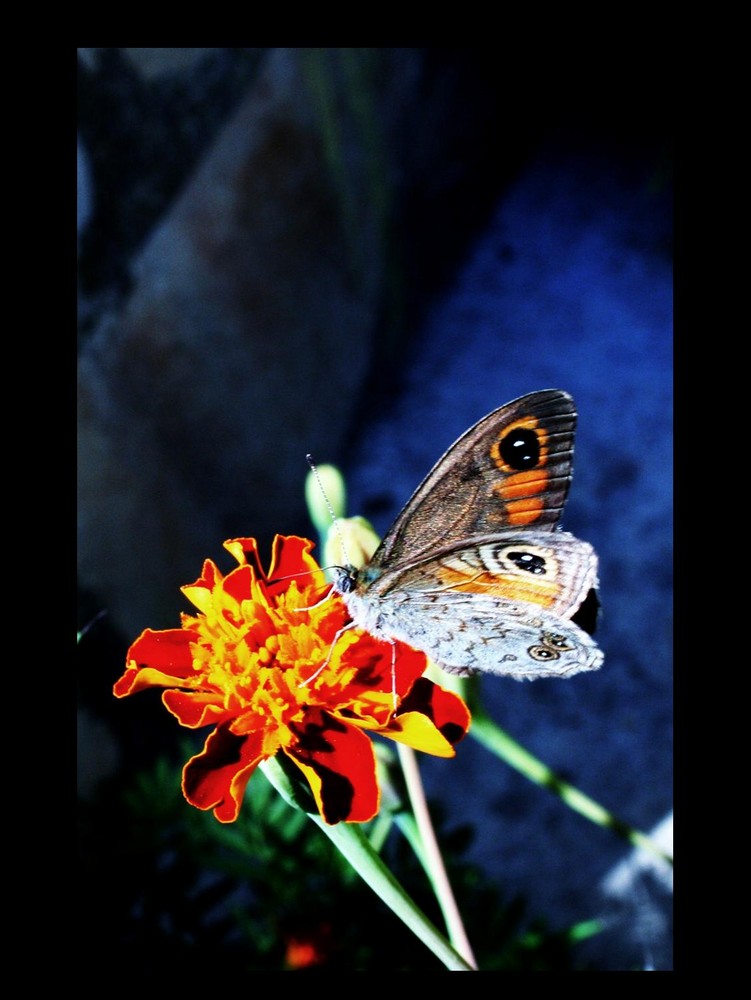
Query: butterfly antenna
x,y
329,506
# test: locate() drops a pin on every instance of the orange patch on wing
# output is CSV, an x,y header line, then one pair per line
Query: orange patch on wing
x,y
535,591
527,511
523,484
543,593
461,579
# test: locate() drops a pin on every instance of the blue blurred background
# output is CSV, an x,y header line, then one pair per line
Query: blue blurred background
x,y
569,286
358,253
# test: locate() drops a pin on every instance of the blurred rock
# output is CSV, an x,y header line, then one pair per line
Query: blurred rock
x,y
639,894
84,193
258,305
242,347
157,61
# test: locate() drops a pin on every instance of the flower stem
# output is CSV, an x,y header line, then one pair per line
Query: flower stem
x,y
354,846
500,743
432,857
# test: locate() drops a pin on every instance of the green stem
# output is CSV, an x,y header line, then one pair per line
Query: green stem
x,y
354,846
499,742
431,855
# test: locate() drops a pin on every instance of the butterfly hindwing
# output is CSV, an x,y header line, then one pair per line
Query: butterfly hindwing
x,y
553,570
512,470
470,633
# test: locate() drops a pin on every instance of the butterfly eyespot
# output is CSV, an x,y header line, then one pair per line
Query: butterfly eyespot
x,y
542,653
528,561
555,640
520,448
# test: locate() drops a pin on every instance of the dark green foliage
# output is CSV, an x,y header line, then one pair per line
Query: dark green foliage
x,y
164,883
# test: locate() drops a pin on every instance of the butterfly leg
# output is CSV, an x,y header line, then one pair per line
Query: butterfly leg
x,y
393,674
328,657
317,604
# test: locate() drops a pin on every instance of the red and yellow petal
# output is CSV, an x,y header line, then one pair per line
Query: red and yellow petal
x,y
238,584
217,777
156,659
339,762
194,709
291,561
417,731
446,710
245,550
376,660
429,719
201,592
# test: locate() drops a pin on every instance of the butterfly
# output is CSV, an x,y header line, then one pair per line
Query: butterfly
x,y
475,571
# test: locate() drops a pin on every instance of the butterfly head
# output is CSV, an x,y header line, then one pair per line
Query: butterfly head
x,y
345,579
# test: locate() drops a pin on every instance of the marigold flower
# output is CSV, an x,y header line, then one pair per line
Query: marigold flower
x,y
265,662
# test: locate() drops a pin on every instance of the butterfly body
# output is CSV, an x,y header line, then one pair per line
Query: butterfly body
x,y
475,571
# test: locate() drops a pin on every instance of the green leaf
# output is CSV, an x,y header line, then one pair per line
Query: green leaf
x,y
495,739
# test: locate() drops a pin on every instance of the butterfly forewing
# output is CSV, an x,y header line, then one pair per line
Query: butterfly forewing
x,y
512,470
